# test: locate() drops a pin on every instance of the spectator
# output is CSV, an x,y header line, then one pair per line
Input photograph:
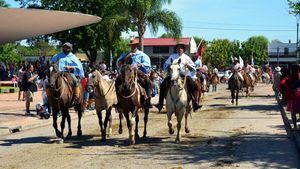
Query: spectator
x,y
14,80
29,86
20,77
84,83
45,106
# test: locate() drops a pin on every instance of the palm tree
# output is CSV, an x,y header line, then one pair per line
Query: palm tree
x,y
149,13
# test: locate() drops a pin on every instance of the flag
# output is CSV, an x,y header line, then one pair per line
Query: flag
x,y
241,61
252,61
201,48
231,59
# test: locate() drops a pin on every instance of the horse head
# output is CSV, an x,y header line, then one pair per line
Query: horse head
x,y
175,71
129,75
54,73
94,79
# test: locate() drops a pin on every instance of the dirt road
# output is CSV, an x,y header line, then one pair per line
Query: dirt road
x,y
250,135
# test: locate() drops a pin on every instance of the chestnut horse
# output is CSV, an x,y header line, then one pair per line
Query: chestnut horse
x,y
61,99
214,81
131,100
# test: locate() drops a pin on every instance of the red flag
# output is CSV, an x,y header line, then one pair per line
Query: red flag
x,y
201,48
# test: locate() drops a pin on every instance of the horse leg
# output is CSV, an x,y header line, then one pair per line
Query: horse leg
x,y
62,123
110,125
106,120
294,119
69,124
145,123
79,113
187,130
99,114
54,116
171,130
237,97
232,97
136,131
179,119
129,126
120,124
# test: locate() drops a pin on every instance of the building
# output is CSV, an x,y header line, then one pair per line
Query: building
x,y
282,53
159,49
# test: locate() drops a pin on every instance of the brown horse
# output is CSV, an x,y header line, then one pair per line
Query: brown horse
x,y
235,85
247,84
61,99
105,99
131,100
214,80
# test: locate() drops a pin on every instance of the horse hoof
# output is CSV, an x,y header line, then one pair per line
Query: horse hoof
x,y
58,134
132,142
232,101
79,133
69,135
120,131
171,131
103,140
187,130
177,140
145,137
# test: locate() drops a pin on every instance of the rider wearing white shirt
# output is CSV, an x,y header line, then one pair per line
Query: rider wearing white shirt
x,y
187,67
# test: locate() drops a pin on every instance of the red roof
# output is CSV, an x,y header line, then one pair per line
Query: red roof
x,y
165,41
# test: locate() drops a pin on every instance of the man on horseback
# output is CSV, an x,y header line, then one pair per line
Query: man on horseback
x,y
187,69
68,62
235,66
142,62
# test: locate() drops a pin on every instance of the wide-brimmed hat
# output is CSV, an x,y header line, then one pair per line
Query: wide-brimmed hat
x,y
181,44
235,58
134,41
68,44
278,69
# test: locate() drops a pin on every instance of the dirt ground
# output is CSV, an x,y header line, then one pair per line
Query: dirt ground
x,y
250,135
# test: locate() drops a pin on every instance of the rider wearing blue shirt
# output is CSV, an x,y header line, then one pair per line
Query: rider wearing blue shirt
x,y
68,62
142,61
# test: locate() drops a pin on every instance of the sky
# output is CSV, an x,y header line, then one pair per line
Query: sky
x,y
232,19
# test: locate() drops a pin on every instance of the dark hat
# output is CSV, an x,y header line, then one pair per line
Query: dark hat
x,y
68,44
134,41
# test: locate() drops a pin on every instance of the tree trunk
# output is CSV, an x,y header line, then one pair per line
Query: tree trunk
x,y
141,32
91,54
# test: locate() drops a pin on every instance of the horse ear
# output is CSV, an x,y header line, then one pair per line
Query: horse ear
x,y
179,61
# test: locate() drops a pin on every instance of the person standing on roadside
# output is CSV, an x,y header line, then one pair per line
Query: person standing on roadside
x,y
29,86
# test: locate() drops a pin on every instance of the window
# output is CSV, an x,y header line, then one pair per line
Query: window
x,y
286,51
161,49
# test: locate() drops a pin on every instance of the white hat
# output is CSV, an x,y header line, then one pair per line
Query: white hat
x,y
278,69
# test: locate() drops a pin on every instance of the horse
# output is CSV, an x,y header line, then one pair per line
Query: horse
x,y
214,80
235,86
247,83
131,100
105,99
61,99
177,101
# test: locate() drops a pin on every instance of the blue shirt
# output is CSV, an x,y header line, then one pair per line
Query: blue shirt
x,y
139,57
69,60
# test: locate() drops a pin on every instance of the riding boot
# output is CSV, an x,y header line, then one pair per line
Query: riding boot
x,y
76,95
162,93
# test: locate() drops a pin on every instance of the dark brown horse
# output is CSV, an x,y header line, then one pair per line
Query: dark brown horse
x,y
130,100
235,86
61,99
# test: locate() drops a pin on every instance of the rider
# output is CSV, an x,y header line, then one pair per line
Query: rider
x,y
142,61
203,76
68,62
235,66
249,69
187,68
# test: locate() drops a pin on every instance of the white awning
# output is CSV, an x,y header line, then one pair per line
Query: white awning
x,y
18,23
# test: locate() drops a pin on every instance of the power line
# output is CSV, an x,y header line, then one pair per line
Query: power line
x,y
233,24
239,29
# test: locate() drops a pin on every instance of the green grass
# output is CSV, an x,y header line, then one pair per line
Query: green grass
x,y
7,89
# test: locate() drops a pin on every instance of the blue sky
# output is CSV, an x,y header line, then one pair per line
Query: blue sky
x,y
232,19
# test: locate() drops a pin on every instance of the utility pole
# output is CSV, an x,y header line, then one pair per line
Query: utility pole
x,y
277,56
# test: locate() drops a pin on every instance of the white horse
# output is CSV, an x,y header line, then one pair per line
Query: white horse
x,y
177,100
105,99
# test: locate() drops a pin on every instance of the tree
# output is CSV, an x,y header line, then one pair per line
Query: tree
x,y
149,13
295,6
256,47
218,53
9,54
3,4
167,35
91,39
